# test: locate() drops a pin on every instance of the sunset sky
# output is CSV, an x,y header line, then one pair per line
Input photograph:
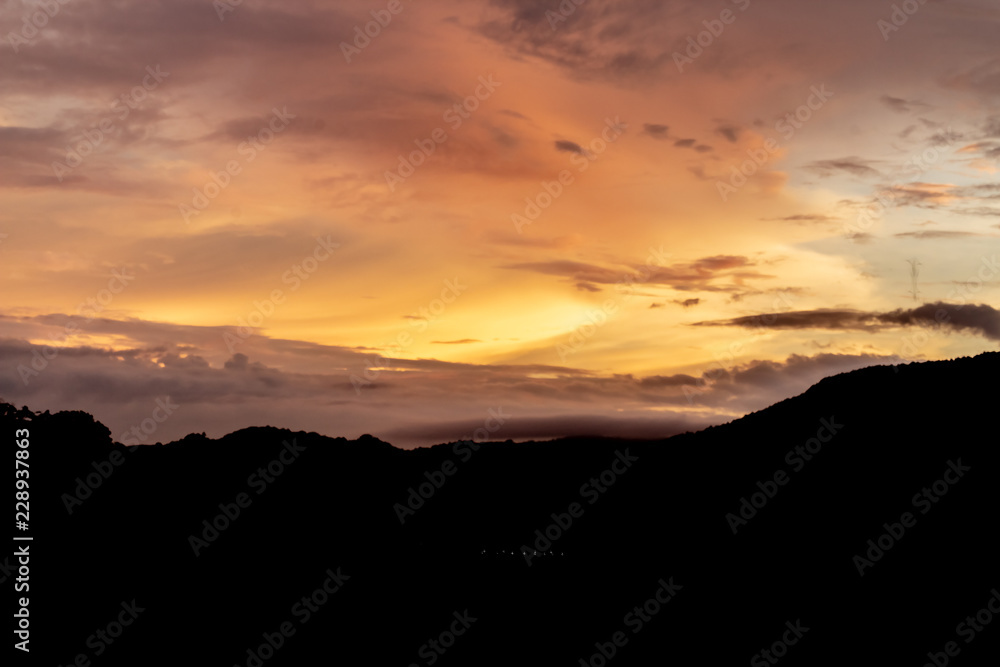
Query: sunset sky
x,y
262,213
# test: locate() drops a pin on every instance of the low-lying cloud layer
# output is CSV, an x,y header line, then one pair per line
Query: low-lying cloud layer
x,y
341,391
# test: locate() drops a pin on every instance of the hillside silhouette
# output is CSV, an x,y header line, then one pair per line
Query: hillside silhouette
x,y
404,564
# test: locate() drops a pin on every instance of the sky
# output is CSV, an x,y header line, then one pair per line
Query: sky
x,y
487,219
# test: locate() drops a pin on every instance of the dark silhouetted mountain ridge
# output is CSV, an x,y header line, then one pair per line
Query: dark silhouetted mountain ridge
x,y
880,436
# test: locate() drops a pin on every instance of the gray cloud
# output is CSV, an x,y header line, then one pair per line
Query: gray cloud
x,y
807,217
975,319
937,234
701,274
655,131
569,147
855,166
901,105
730,132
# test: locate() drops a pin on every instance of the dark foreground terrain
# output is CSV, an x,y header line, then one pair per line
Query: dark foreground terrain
x,y
651,555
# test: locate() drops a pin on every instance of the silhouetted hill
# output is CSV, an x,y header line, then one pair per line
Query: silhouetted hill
x,y
651,517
